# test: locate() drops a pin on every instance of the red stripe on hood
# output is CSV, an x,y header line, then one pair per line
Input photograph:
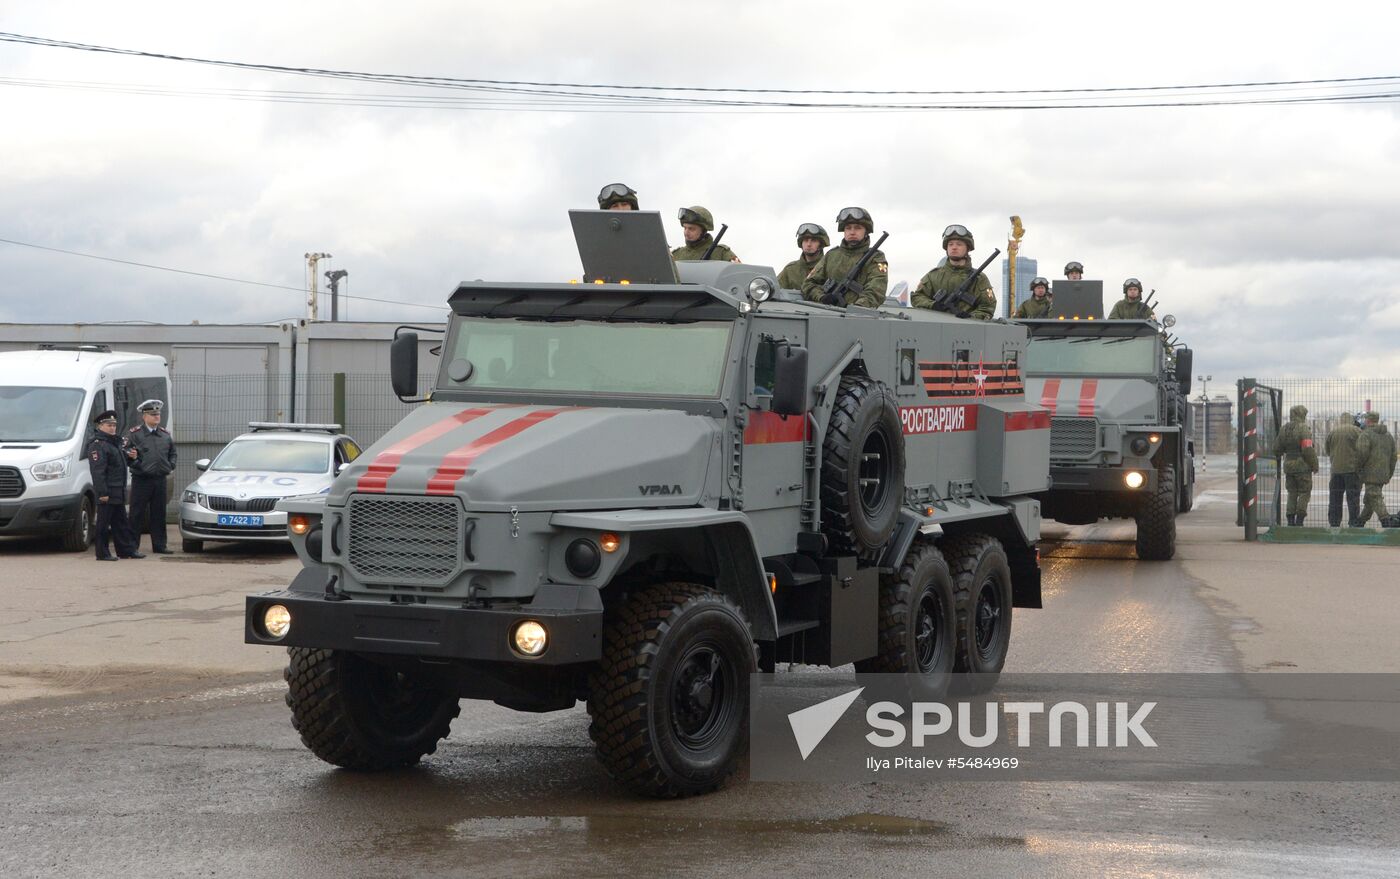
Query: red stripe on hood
x,y
455,463
1050,394
1087,391
386,463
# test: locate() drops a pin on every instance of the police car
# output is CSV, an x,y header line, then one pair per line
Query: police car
x,y
235,497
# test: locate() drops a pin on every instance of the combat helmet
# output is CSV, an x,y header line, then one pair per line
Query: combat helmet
x,y
1039,281
1074,265
846,216
959,232
699,216
812,230
617,192
1132,282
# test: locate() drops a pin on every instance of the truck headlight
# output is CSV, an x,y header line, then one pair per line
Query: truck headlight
x,y
582,558
1140,445
760,289
277,621
530,638
55,469
1133,479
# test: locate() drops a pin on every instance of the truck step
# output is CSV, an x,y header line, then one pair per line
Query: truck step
x,y
791,627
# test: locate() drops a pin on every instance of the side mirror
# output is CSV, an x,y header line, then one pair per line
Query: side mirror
x,y
1183,370
202,464
340,468
403,364
791,391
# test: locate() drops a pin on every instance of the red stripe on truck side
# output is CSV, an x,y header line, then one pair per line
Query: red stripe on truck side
x,y
386,463
1027,421
455,463
1050,394
1087,391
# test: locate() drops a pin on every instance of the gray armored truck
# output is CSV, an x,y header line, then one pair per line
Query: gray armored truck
x,y
638,490
1120,433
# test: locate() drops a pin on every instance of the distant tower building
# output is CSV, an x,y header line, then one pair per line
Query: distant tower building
x,y
1025,273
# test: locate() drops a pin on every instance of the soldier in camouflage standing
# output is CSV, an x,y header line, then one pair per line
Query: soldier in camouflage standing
x,y
1131,306
1039,303
1295,445
958,243
618,197
855,226
1377,467
1345,464
813,241
696,224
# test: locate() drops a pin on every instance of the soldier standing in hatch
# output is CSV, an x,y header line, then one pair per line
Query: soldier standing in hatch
x,y
618,197
813,241
108,467
1377,469
1295,445
855,226
696,224
958,243
1074,270
1039,303
151,449
1342,450
1131,306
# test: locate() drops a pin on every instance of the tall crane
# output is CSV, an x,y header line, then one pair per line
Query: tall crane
x,y
1013,246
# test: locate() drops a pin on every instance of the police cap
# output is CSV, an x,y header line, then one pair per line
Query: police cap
x,y
108,417
152,406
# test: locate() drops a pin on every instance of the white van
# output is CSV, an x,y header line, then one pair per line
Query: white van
x,y
48,399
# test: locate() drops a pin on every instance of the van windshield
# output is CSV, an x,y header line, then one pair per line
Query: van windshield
x,y
39,415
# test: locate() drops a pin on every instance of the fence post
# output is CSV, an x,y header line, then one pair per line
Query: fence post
x,y
338,398
1249,457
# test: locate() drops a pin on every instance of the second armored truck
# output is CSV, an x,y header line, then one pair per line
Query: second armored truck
x,y
637,492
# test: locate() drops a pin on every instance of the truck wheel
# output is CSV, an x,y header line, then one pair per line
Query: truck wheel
x,y
191,545
1156,520
78,537
982,590
1186,494
669,700
360,715
918,619
862,468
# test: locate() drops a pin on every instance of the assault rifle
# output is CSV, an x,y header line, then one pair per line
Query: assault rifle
x,y
947,300
834,290
723,227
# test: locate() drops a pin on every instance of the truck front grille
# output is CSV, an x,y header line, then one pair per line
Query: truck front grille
x,y
11,483
399,541
1073,437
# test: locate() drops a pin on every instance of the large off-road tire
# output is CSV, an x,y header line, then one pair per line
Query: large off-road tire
x,y
360,715
982,591
1185,498
862,468
78,537
1156,519
918,620
669,701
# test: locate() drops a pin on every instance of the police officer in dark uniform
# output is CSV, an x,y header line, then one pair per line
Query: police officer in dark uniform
x,y
151,450
108,467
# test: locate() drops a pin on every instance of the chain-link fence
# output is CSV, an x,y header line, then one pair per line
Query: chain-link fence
x,y
1326,401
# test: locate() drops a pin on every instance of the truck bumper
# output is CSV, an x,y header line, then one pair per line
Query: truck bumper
x,y
364,626
1101,479
39,515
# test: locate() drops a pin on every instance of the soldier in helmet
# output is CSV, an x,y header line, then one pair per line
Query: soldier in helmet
x,y
1131,306
958,243
618,197
1074,270
855,226
696,224
1377,448
813,241
1039,303
1295,445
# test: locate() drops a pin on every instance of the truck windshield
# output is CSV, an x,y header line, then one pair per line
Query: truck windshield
x,y
593,357
281,456
38,415
1121,355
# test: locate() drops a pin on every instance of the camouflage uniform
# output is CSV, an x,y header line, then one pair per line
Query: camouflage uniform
x,y
950,277
837,263
1378,468
795,272
697,250
1033,308
1128,309
1345,462
1295,445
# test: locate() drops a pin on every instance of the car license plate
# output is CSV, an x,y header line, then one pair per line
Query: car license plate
x,y
241,521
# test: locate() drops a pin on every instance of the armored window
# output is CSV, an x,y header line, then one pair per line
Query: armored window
x,y
962,355
908,375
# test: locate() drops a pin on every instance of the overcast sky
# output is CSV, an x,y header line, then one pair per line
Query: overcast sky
x,y
1269,231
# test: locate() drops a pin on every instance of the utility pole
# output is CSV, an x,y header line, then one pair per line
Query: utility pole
x,y
311,260
1205,417
334,277
1013,246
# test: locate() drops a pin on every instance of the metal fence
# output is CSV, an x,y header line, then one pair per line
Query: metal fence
x,y
1326,400
212,410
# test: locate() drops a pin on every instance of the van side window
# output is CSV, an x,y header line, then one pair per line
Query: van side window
x,y
132,392
99,405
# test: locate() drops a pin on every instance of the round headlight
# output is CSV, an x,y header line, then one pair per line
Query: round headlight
x,y
277,621
582,558
1134,479
1169,321
760,289
315,543
530,638
1139,445
298,524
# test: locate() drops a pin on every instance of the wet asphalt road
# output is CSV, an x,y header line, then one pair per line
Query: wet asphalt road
x,y
198,773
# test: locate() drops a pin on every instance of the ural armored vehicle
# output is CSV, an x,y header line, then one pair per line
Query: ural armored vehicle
x,y
639,490
1120,433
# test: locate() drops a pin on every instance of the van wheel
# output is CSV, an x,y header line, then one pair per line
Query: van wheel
x,y
862,468
79,534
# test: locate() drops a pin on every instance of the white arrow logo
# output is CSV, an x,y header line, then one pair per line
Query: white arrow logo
x,y
810,725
